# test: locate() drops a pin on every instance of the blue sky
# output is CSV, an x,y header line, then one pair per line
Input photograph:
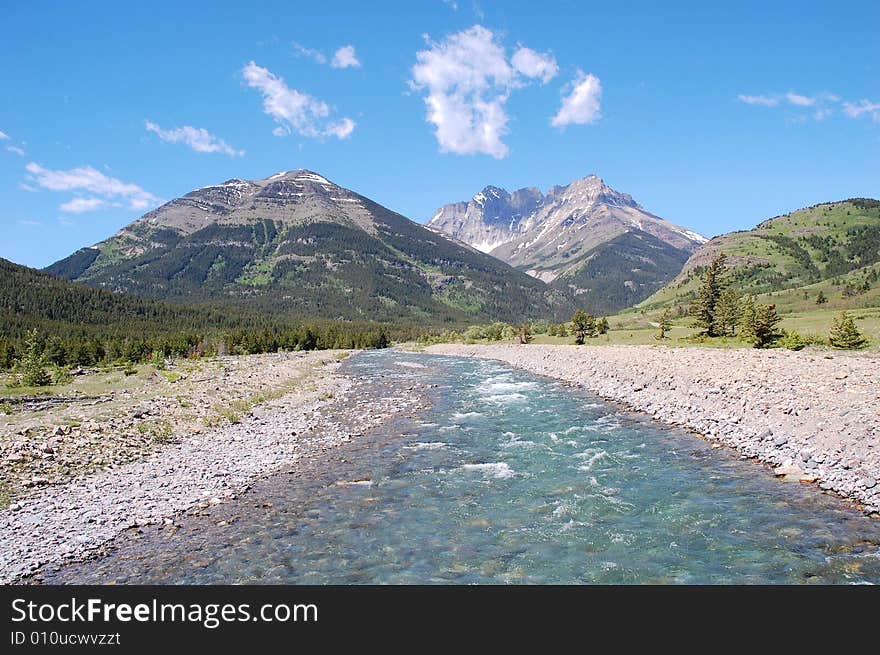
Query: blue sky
x,y
712,117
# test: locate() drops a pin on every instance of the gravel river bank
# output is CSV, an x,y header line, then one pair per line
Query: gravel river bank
x,y
311,410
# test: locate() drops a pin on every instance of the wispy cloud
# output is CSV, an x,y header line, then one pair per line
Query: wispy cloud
x,y
582,104
764,101
861,108
28,222
86,178
197,138
302,51
81,205
468,79
799,100
452,4
345,57
293,110
11,148
822,105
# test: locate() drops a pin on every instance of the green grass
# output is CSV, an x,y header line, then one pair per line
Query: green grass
x,y
782,253
636,329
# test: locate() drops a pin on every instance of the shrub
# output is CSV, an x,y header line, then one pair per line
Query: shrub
x,y
792,341
845,334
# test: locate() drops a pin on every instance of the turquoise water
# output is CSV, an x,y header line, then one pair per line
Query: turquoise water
x,y
511,478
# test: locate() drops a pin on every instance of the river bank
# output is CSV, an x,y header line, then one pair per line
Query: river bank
x,y
288,408
813,417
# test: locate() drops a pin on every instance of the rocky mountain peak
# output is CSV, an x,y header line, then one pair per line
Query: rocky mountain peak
x,y
590,190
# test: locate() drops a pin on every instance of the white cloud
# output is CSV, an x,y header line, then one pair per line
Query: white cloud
x,y
81,205
452,4
23,221
18,151
294,111
824,104
345,57
764,101
535,64
582,105
302,51
799,100
197,138
3,135
86,178
857,109
468,80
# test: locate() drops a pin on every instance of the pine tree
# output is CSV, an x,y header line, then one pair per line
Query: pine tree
x,y
33,373
602,326
727,313
845,334
821,299
583,326
665,324
747,318
704,307
765,331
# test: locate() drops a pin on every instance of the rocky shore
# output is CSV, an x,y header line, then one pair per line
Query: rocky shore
x,y
309,411
813,416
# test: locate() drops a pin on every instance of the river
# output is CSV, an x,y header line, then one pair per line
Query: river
x,y
507,477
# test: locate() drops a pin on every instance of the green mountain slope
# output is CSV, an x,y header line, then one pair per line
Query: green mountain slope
x,y
34,299
297,244
621,271
829,246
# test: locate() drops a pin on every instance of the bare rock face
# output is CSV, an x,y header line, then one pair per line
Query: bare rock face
x,y
558,236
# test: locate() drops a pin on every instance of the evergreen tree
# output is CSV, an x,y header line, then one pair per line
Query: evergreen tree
x,y
821,299
727,313
583,326
665,324
602,326
33,373
765,330
704,307
748,318
845,334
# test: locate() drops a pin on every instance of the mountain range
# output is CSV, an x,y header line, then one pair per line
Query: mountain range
x,y
584,238
297,243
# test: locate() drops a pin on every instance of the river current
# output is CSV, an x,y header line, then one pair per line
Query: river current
x,y
508,478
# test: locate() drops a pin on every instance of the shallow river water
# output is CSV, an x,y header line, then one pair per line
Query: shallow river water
x,y
508,478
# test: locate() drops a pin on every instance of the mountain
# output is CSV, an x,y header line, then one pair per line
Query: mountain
x,y
33,299
832,246
584,237
296,243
